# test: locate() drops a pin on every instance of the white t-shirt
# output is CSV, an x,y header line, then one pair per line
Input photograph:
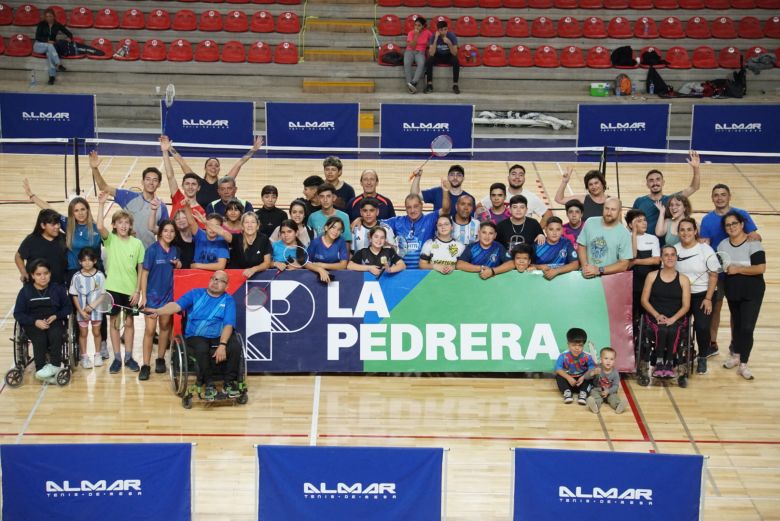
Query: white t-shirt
x,y
465,233
691,262
360,237
438,252
535,205
648,242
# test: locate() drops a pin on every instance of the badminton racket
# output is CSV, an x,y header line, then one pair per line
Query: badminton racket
x,y
440,147
104,303
257,296
170,95
717,262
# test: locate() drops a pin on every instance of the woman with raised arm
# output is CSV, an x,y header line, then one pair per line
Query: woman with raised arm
x,y
670,216
594,198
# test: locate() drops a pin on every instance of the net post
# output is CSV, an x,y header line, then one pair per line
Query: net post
x,y
76,162
617,172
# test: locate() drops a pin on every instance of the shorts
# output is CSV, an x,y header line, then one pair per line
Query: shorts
x,y
86,323
157,301
121,300
720,289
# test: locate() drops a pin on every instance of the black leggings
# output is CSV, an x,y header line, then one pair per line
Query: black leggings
x,y
46,342
563,384
439,58
701,323
202,348
667,339
744,314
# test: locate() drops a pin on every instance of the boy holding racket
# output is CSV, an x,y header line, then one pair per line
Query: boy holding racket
x,y
88,280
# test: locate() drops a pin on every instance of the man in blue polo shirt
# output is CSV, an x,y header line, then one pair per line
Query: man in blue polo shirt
x,y
435,195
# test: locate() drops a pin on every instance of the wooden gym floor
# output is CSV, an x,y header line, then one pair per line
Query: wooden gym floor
x,y
732,422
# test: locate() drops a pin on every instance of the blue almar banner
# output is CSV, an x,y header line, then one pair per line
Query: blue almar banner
x,y
551,485
736,128
209,122
349,483
623,125
47,115
91,482
325,125
415,126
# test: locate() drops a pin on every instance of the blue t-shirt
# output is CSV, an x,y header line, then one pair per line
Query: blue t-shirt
x,y
206,251
434,196
219,207
555,255
80,241
712,229
318,252
647,205
413,234
318,219
442,48
159,282
574,366
140,209
491,257
207,315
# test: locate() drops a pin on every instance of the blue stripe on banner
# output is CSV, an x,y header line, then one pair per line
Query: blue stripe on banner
x,y
88,482
551,485
349,483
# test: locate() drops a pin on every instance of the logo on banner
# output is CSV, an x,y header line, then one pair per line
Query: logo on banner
x,y
205,123
86,488
350,491
624,127
606,496
738,127
312,125
45,116
417,127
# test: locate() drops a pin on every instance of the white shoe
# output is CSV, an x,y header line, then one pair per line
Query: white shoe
x,y
86,362
47,371
732,362
744,372
98,360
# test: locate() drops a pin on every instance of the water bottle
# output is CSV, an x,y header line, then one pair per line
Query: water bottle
x,y
33,81
651,89
646,28
617,88
633,89
474,56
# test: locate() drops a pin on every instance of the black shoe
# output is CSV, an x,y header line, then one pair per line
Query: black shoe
x,y
231,389
682,381
210,393
428,88
52,79
456,89
701,365
159,365
61,68
144,374
714,351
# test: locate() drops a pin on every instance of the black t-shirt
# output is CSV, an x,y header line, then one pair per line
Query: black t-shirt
x,y
310,209
270,219
253,255
34,246
186,252
343,195
386,257
208,192
511,234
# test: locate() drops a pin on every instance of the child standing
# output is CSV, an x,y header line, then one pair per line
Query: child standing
x,y
572,367
84,282
605,384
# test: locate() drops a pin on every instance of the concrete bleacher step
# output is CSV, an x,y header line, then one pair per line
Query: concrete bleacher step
x,y
319,85
338,26
338,55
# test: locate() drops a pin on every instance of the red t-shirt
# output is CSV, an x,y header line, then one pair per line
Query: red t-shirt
x,y
422,40
178,200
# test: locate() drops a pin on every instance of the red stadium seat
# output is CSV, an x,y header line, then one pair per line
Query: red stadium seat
x,y
469,56
640,4
466,26
104,45
386,48
697,28
616,4
540,4
26,15
286,52
414,3
59,15
289,2
259,52
81,18
19,45
591,4
2,45
236,22
568,27
132,19
543,27
520,56
158,20
777,54
388,25
465,3
440,3
489,4
704,58
133,50
233,52
437,19
106,19
729,58
210,21
494,56
692,4
594,27
238,1
716,4
207,51
288,22
491,27
678,58
723,27
671,28
743,4
754,51
546,56
180,51
772,27
619,27
153,51
645,28
515,4
517,27
565,4
768,4
665,4
262,22
750,28
6,14
382,3
651,48
598,58
572,57
184,20
409,22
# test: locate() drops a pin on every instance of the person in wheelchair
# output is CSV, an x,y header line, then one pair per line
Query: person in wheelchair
x,y
211,319
666,298
41,307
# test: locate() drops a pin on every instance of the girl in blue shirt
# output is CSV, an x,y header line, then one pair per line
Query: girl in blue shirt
x,y
329,251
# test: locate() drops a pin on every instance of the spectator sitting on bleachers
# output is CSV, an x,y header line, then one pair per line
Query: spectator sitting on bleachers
x,y
45,35
227,190
416,46
369,180
442,48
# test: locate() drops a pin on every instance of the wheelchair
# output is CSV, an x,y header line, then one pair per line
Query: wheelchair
x,y
645,348
183,371
23,354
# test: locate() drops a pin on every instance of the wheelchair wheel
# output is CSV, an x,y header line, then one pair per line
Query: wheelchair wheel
x,y
179,366
14,377
71,346
63,377
21,348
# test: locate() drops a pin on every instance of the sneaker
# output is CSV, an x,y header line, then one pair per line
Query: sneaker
x,y
592,404
732,362
744,372
642,377
583,398
210,392
132,365
701,365
47,371
104,351
669,372
456,89
116,366
621,407
159,365
714,351
52,79
98,360
567,396
428,88
61,68
682,381
86,362
659,371
144,374
411,87
231,390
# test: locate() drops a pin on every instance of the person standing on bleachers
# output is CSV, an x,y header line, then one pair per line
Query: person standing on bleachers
x,y
442,48
416,45
45,35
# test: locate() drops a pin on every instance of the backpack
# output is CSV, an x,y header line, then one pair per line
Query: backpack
x,y
660,88
652,58
393,58
623,84
623,57
737,87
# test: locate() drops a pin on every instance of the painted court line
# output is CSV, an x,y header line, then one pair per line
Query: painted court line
x,y
315,411
639,416
605,431
32,413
